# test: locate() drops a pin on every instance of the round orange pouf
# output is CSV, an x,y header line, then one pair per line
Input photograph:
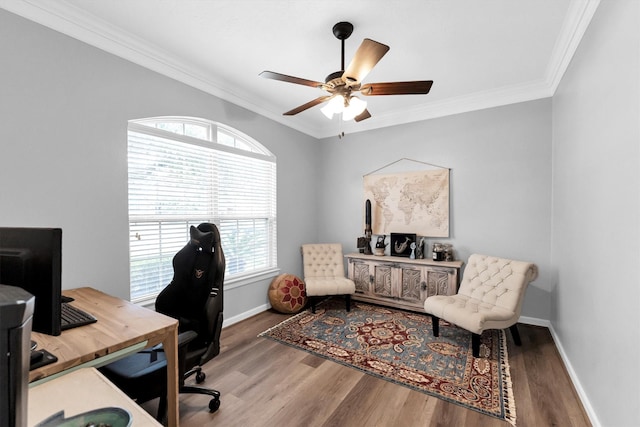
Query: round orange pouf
x,y
287,294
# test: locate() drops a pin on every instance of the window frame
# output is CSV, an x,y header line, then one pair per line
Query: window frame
x,y
255,150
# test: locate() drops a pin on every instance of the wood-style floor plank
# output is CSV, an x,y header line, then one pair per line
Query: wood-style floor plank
x,y
265,383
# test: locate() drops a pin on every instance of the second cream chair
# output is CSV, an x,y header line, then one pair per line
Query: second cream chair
x,y
324,273
490,297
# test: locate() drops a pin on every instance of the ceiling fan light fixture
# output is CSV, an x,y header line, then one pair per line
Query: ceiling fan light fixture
x,y
335,106
355,107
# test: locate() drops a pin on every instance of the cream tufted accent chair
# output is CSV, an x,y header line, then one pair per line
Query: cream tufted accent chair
x,y
324,273
490,297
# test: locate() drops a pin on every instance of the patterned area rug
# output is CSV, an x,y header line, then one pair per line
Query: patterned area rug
x,y
399,346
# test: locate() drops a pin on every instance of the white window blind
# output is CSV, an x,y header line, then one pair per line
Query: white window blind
x,y
176,181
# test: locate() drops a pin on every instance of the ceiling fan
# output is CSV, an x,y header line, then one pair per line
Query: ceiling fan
x,y
341,85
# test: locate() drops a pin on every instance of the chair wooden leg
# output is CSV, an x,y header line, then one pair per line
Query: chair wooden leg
x,y
435,325
348,301
475,345
515,334
312,301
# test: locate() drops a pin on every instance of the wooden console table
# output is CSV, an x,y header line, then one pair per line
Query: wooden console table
x,y
401,282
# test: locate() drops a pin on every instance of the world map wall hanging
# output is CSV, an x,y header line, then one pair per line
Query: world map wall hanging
x,y
409,202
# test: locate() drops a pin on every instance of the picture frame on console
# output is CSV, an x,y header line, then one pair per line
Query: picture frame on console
x,y
401,244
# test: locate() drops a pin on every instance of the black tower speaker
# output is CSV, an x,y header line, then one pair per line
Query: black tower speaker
x,y
16,315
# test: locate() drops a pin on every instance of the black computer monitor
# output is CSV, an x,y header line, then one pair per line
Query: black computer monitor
x,y
31,258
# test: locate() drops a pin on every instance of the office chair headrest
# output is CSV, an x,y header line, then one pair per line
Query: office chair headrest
x,y
202,239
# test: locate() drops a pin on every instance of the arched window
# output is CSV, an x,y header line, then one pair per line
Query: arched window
x,y
185,171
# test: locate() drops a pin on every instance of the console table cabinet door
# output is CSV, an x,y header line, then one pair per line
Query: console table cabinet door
x,y
439,282
383,280
411,284
360,272
401,282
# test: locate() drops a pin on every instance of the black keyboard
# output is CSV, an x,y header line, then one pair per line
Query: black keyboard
x,y
72,317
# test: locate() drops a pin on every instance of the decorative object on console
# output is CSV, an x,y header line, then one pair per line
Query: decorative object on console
x,y
401,244
380,245
362,242
367,227
397,346
287,294
420,249
448,252
438,252
442,252
367,215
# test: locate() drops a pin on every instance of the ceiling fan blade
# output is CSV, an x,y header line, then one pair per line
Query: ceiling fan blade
x,y
308,105
366,57
289,79
362,116
397,88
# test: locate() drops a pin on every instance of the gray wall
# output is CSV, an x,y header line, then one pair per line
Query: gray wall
x,y
596,211
64,108
553,182
500,183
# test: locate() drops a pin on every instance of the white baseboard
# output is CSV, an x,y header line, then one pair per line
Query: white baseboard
x,y
572,374
576,381
242,316
534,321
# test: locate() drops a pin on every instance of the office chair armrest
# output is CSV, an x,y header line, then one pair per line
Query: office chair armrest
x,y
184,338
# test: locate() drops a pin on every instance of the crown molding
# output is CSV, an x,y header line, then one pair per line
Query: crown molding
x,y
578,18
74,22
448,107
67,19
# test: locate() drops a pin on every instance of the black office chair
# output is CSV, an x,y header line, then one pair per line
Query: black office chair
x,y
195,298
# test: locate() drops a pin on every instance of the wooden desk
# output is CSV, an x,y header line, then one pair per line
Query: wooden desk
x,y
83,390
122,327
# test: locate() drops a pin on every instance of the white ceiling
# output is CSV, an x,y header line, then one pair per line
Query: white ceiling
x,y
479,53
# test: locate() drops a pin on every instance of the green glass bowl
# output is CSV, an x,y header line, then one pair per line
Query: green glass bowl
x,y
103,417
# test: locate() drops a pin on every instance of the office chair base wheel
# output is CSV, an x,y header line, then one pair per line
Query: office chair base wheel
x,y
200,377
214,404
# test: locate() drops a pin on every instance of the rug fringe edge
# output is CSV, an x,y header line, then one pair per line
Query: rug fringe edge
x,y
508,399
283,323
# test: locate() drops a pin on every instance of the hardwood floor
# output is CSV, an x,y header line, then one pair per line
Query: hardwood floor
x,y
265,383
